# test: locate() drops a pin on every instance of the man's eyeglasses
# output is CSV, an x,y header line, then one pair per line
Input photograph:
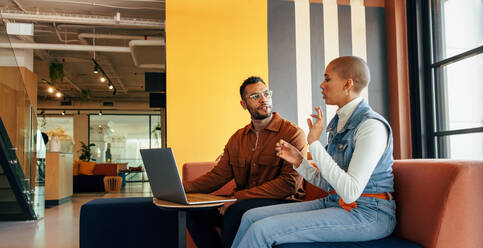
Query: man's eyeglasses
x,y
256,96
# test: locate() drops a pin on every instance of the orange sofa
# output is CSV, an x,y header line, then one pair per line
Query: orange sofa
x,y
438,201
93,181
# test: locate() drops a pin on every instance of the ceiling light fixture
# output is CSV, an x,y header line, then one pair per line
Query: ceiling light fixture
x,y
100,112
104,77
50,89
95,71
58,94
63,112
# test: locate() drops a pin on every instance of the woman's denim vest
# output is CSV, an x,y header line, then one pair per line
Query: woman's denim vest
x,y
341,146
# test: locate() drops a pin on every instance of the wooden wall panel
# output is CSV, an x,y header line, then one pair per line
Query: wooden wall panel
x,y
398,73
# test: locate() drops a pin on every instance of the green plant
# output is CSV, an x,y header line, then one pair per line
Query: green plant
x,y
85,152
85,95
56,73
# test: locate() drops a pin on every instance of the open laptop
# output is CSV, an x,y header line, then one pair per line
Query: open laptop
x,y
165,181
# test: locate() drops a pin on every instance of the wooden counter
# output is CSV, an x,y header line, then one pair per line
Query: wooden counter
x,y
58,178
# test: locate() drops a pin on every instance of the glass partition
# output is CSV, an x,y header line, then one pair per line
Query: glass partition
x,y
118,139
17,110
61,128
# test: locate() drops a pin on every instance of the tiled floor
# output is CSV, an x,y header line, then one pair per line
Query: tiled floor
x,y
60,226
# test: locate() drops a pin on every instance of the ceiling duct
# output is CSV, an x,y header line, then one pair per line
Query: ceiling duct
x,y
148,53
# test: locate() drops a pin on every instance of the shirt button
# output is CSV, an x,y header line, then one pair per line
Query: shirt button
x,y
340,147
253,149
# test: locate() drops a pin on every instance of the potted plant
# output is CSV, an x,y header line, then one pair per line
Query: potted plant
x,y
56,73
85,152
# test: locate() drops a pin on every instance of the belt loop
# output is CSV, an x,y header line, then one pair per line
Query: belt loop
x,y
390,195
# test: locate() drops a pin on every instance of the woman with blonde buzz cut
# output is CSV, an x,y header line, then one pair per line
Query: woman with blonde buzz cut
x,y
355,168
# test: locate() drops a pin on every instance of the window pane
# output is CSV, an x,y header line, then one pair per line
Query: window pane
x,y
464,146
458,26
460,95
125,134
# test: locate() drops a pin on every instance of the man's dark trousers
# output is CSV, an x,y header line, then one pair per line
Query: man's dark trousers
x,y
202,224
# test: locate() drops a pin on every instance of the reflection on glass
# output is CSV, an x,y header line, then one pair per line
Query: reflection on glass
x,y
156,132
118,139
19,120
463,146
60,131
461,96
459,26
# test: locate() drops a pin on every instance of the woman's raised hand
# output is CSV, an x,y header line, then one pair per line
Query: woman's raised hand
x,y
289,153
315,129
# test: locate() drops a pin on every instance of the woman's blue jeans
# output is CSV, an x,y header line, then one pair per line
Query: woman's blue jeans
x,y
321,220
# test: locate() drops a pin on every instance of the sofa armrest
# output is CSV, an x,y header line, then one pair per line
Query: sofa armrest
x,y
438,202
194,170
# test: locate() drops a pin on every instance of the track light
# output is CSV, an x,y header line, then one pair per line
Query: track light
x,y
104,77
100,112
63,112
50,89
78,112
58,94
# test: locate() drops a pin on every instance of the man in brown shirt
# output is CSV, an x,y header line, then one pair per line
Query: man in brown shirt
x,y
250,159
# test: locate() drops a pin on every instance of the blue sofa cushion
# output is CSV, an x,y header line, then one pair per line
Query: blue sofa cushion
x,y
391,241
126,222
91,183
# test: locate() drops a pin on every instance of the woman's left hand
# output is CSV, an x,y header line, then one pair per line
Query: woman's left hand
x,y
316,129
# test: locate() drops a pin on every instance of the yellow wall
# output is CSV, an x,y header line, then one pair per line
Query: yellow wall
x,y
211,47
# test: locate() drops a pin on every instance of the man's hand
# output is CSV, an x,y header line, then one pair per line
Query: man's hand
x,y
316,129
225,206
289,153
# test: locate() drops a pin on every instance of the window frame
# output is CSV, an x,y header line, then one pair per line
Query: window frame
x,y
425,68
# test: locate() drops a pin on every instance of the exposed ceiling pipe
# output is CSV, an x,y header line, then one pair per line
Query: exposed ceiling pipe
x,y
19,5
63,47
117,37
60,37
113,6
82,19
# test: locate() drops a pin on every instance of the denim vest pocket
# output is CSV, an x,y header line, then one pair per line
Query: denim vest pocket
x,y
339,155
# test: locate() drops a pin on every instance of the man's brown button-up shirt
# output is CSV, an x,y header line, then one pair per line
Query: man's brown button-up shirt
x,y
251,160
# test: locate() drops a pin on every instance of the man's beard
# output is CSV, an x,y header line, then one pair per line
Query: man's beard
x,y
257,115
